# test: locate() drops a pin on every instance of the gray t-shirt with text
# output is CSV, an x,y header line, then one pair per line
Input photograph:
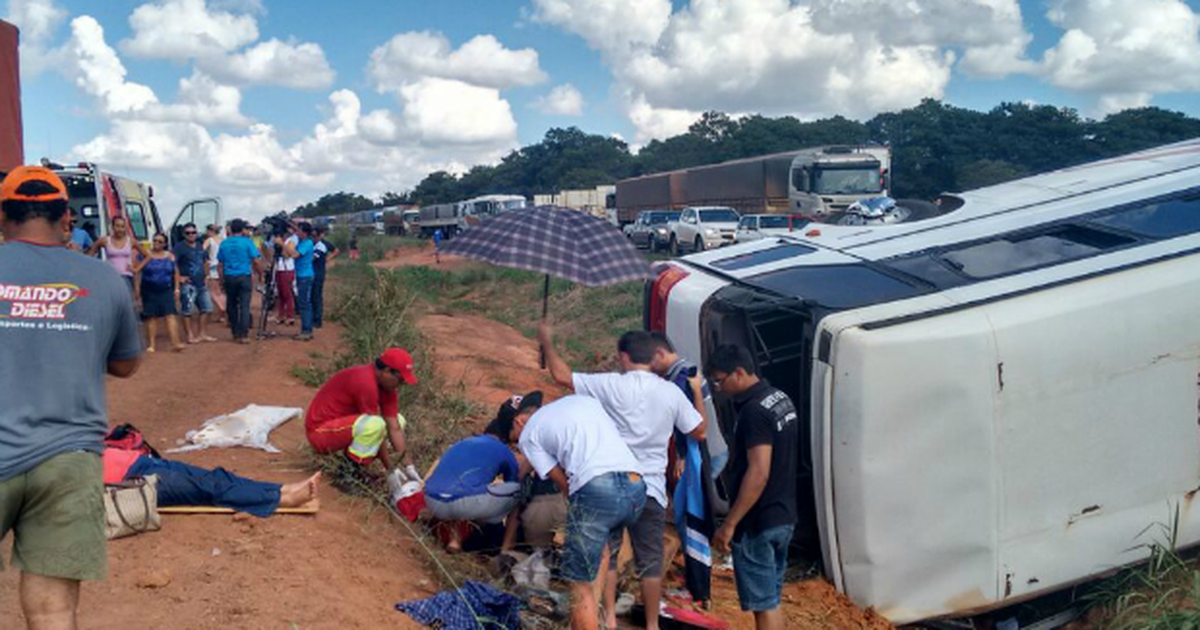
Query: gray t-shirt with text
x,y
63,317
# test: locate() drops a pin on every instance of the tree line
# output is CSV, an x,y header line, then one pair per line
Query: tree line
x,y
936,148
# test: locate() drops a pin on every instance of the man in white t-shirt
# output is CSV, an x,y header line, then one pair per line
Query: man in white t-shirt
x,y
574,443
646,410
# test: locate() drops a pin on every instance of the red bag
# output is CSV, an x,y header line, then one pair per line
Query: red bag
x,y
127,437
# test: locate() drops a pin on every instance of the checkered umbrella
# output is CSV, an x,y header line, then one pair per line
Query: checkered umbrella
x,y
555,241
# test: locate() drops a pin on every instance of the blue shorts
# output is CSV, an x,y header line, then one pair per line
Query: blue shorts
x,y
759,561
192,296
597,514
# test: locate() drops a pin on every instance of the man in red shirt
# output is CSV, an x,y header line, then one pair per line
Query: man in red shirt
x,y
356,408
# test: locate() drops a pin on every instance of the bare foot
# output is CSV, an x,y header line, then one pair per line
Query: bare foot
x,y
150,349
208,338
179,348
299,493
193,340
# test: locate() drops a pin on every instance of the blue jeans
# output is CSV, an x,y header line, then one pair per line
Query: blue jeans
x,y
597,514
318,300
759,561
192,297
304,290
183,484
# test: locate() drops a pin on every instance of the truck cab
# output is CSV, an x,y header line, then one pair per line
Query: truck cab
x,y
703,228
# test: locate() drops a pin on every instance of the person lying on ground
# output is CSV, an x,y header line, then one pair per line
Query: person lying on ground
x,y
763,469
358,407
460,488
184,484
646,410
574,443
68,320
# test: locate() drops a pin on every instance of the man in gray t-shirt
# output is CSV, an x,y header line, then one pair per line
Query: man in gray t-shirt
x,y
65,320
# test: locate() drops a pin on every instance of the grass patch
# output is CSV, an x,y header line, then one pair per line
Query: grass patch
x,y
588,320
376,311
1161,594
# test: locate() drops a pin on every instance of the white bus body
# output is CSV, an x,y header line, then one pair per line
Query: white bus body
x,y
1000,400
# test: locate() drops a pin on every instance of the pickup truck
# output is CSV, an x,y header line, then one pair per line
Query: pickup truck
x,y
703,228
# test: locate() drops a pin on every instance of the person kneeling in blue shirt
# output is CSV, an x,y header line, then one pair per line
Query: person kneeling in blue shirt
x,y
460,488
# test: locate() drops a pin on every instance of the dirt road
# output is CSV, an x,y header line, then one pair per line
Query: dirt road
x,y
340,569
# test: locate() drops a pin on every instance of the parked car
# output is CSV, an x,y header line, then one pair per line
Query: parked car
x,y
1000,400
753,227
703,228
650,229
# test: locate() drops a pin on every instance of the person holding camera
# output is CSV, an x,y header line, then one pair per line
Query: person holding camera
x,y
300,252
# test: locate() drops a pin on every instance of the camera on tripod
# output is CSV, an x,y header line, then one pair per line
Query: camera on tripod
x,y
277,225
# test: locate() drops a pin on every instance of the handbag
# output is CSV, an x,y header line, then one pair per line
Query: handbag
x,y
131,507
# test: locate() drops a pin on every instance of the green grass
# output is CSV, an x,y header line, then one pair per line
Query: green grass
x,y
1162,593
587,320
376,311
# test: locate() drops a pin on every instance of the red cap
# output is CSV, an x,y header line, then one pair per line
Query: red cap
x,y
400,360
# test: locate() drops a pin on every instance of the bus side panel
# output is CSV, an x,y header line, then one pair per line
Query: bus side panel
x,y
913,475
1097,421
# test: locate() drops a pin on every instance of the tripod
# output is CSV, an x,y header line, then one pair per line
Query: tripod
x,y
270,293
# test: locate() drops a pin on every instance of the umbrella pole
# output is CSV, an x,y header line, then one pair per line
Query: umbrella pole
x,y
545,312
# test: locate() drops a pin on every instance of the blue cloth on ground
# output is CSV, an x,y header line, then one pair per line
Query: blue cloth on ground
x,y
474,606
183,484
469,466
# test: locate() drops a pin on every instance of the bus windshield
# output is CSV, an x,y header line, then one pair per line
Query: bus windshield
x,y
848,179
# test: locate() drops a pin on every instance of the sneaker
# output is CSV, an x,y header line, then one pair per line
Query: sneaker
x,y
303,337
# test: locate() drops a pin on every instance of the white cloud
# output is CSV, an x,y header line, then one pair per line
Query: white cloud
x,y
201,100
440,112
656,122
612,26
38,21
563,100
1124,50
98,71
186,29
273,62
481,61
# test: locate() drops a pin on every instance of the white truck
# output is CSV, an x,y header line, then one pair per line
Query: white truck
x,y
818,182
997,402
698,229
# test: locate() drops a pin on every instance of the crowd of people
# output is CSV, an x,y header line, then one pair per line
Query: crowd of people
x,y
596,463
210,278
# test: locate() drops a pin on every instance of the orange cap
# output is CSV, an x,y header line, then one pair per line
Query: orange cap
x,y
10,190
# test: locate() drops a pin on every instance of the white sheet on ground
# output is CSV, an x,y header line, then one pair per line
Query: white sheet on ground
x,y
250,426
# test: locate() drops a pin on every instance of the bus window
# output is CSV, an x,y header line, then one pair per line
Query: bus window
x,y
1015,253
137,220
1163,219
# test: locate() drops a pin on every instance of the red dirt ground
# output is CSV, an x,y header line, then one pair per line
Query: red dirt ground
x,y
345,567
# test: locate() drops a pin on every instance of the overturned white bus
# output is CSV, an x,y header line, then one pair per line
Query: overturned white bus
x,y
1000,399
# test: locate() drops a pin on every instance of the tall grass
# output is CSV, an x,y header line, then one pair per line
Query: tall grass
x,y
376,312
1161,594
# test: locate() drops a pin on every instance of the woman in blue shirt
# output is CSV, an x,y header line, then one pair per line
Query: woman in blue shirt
x,y
460,488
158,290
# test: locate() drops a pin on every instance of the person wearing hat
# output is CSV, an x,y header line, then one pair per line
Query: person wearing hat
x,y
358,407
460,488
65,320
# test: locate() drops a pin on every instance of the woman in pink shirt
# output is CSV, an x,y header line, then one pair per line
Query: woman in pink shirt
x,y
118,247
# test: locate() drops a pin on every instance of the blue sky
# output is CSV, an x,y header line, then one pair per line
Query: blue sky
x,y
643,70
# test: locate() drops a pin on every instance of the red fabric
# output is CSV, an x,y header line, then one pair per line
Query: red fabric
x,y
117,462
694,618
332,436
12,143
287,297
411,506
351,392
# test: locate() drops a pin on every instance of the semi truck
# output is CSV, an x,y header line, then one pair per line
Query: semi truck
x,y
995,403
816,182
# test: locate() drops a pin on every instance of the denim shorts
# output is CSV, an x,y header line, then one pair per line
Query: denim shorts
x,y
192,296
597,514
759,561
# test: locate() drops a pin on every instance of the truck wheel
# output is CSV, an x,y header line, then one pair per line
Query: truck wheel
x,y
698,246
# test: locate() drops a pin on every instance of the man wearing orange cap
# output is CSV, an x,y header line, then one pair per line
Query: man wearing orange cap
x,y
358,407
65,320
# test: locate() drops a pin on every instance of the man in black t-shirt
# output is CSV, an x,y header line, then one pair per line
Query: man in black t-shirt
x,y
763,469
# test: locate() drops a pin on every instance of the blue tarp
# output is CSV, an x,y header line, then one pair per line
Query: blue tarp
x,y
474,606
